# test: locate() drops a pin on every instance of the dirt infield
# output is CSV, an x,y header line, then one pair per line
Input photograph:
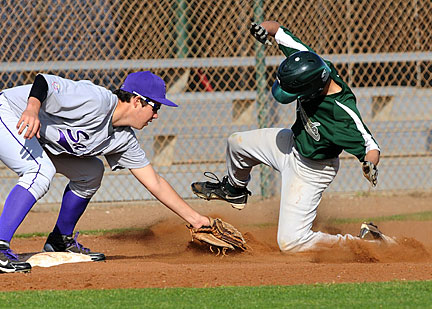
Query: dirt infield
x,y
160,253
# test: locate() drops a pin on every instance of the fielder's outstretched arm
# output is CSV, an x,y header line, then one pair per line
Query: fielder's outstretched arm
x,y
163,191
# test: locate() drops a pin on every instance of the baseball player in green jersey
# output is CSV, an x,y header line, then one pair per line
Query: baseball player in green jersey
x,y
306,155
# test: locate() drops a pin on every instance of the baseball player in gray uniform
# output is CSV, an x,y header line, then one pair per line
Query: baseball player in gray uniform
x,y
306,155
60,125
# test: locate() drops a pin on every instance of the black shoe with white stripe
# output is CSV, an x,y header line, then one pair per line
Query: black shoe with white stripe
x,y
9,262
221,190
370,231
67,243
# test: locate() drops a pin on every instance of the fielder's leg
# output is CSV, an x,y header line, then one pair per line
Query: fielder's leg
x,y
32,165
35,170
85,176
72,208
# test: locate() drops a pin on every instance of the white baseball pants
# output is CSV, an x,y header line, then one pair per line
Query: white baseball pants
x,y
303,182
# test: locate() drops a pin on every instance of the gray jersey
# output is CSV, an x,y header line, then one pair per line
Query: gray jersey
x,y
76,119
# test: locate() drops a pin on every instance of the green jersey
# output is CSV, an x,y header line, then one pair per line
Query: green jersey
x,y
326,126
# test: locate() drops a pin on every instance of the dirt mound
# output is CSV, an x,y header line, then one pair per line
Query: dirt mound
x,y
159,252
405,250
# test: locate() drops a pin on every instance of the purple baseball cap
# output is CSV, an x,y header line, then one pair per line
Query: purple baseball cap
x,y
148,85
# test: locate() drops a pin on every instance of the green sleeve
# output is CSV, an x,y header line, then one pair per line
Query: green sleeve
x,y
350,132
288,50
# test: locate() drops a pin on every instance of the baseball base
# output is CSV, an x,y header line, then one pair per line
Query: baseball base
x,y
48,259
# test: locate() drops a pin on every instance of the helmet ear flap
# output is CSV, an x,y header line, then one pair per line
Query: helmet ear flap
x,y
282,96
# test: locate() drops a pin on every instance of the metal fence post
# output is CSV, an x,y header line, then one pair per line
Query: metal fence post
x,y
261,90
181,24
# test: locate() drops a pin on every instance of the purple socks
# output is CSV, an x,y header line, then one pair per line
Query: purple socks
x,y
20,201
16,207
72,208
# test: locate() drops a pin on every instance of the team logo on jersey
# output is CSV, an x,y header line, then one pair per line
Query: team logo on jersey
x,y
56,86
310,127
323,74
73,142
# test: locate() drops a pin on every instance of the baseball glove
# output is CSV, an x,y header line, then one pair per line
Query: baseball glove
x,y
219,234
259,33
370,171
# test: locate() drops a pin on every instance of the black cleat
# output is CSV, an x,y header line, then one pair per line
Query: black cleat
x,y
67,243
9,262
219,191
370,231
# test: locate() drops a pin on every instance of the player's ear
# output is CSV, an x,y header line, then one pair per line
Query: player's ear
x,y
136,101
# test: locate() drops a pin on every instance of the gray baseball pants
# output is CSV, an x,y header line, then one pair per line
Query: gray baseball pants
x,y
36,167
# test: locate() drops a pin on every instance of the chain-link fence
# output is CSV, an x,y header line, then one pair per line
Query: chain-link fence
x,y
221,76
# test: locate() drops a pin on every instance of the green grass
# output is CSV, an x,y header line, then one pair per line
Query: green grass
x,y
87,232
414,294
418,216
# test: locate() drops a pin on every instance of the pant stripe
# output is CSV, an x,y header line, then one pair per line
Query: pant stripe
x,y
25,148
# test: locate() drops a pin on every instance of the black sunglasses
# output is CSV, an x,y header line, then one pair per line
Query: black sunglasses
x,y
155,106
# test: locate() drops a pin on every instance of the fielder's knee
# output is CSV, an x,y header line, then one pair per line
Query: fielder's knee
x,y
37,180
88,185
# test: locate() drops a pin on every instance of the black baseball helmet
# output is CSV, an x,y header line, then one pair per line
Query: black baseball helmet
x,y
302,75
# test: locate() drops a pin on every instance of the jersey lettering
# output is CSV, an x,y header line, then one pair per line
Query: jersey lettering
x,y
75,140
310,127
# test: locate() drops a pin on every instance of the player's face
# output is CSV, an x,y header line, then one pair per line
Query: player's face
x,y
146,112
